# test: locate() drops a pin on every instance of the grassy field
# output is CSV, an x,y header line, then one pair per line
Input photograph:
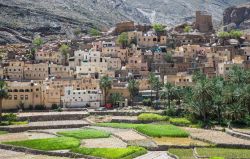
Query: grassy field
x,y
182,153
6,123
3,132
85,134
112,153
60,143
152,117
226,153
180,121
151,129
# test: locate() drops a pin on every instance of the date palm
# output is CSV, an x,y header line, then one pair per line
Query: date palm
x,y
105,85
133,88
203,94
168,92
3,95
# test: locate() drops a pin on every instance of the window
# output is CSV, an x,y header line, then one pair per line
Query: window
x,y
26,97
10,97
15,97
21,97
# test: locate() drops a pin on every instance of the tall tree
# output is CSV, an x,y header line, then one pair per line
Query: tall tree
x,y
123,39
116,97
155,85
105,85
218,97
65,49
168,93
133,88
37,42
3,95
203,96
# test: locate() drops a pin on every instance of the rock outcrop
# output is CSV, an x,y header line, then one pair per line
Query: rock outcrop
x,y
238,16
63,17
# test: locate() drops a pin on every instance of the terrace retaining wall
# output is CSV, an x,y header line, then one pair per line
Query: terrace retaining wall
x,y
16,129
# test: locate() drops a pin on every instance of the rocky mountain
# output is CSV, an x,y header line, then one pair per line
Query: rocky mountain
x,y
238,16
20,19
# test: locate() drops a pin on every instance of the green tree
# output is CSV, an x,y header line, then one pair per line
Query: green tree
x,y
133,88
37,42
116,97
223,35
203,96
168,92
238,75
187,29
105,85
3,95
65,50
158,28
94,32
168,57
236,34
123,39
219,85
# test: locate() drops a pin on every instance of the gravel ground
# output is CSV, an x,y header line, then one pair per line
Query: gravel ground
x,y
130,135
216,137
125,117
111,142
125,134
24,136
5,154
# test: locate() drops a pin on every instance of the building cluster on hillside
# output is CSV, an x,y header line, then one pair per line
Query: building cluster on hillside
x,y
50,77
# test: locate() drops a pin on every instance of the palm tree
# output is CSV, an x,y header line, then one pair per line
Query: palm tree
x,y
64,49
238,75
3,95
218,98
203,95
244,97
116,97
155,85
231,99
168,92
133,88
105,85
151,81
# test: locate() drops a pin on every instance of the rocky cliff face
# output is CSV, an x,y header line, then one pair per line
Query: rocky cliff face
x,y
20,19
238,15
61,16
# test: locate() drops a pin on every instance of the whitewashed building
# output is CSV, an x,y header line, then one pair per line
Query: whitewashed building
x,y
81,98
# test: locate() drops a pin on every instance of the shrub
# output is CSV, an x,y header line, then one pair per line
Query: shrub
x,y
147,102
152,117
54,106
40,107
10,118
180,121
173,112
31,107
